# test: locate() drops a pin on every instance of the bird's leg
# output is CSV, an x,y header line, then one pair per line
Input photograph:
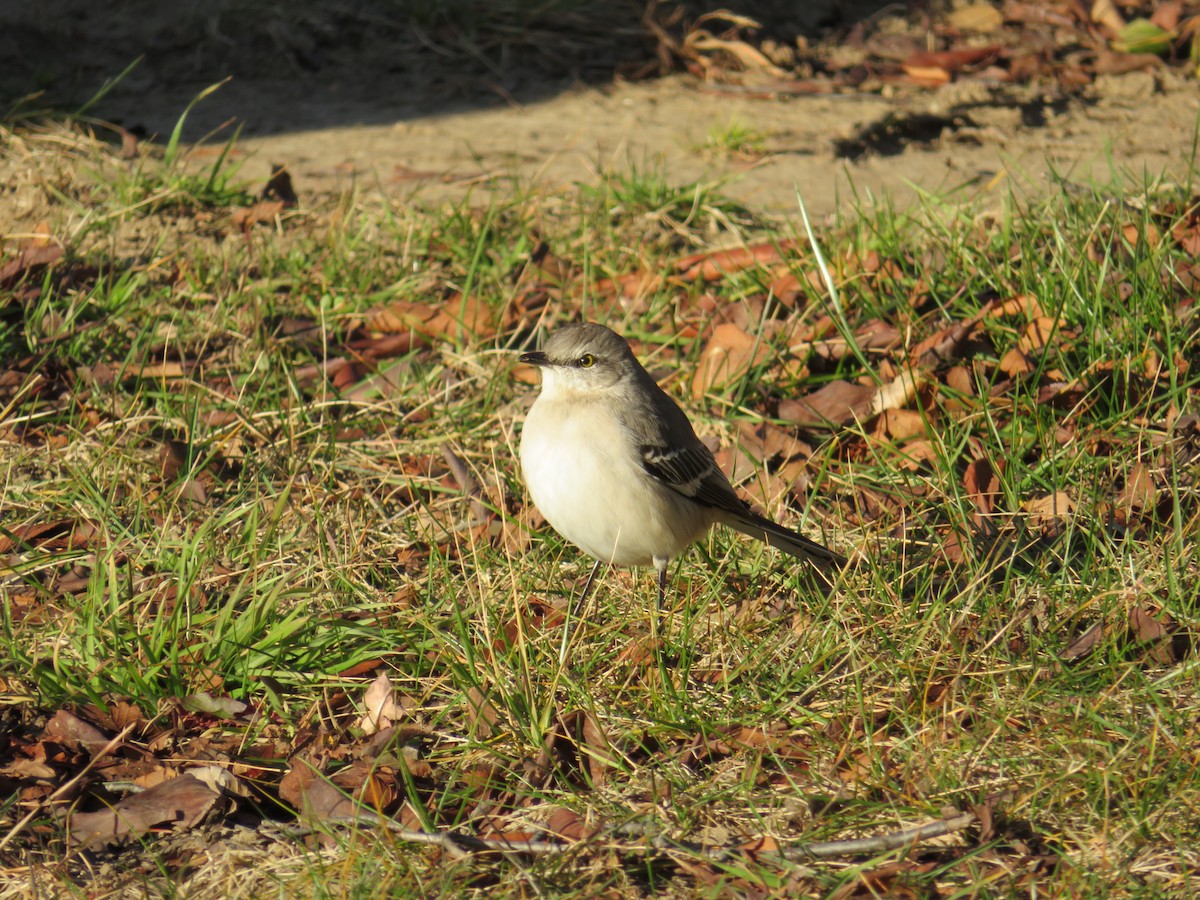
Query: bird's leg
x,y
661,568
573,612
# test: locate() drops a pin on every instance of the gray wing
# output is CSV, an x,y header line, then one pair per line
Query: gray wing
x,y
685,465
692,471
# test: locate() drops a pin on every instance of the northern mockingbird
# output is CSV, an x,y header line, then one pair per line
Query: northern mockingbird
x,y
613,464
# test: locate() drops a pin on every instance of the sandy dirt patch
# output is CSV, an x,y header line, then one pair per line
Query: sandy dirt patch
x,y
431,106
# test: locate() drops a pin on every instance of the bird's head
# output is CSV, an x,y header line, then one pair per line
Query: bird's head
x,y
582,359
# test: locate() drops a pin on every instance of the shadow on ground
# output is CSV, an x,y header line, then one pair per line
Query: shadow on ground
x,y
310,64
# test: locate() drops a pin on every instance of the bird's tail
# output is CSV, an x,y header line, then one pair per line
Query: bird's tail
x,y
788,541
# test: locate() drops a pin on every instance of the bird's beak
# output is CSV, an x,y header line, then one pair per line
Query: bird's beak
x,y
534,358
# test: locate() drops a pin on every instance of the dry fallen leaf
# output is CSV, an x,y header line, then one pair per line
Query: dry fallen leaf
x,y
727,356
567,824
39,250
1048,510
182,802
1085,643
66,727
1015,363
898,392
1147,630
279,187
482,715
981,17
836,403
1139,492
454,318
982,482
382,709
899,425
247,217
939,67
1105,13
715,265
1039,332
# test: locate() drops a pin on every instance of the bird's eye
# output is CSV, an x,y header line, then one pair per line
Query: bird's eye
x,y
587,361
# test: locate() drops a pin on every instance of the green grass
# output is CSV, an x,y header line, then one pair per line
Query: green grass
x,y
228,520
735,138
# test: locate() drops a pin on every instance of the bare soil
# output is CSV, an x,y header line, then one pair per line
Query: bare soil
x,y
419,109
964,138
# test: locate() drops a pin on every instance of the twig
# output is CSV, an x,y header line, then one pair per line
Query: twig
x,y
462,845
879,843
452,842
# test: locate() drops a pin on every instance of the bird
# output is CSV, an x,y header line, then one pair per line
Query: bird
x,y
614,466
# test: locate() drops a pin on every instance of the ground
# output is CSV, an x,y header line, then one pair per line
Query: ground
x,y
375,101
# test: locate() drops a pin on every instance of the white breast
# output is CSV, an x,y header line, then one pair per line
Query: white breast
x,y
584,474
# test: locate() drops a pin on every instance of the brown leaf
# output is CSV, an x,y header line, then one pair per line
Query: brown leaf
x,y
959,378
836,403
900,391
1026,305
322,800
482,716
221,780
64,534
900,425
1139,492
1145,628
599,751
1015,363
715,265
162,371
982,482
787,288
1167,15
1064,395
981,17
947,343
182,802
1038,333
297,780
639,652
1048,510
927,76
918,452
1105,13
766,442
378,788
984,815
1036,14
455,318
382,708
129,144
727,356
1109,63
944,64
66,727
247,217
568,825
35,252
736,465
